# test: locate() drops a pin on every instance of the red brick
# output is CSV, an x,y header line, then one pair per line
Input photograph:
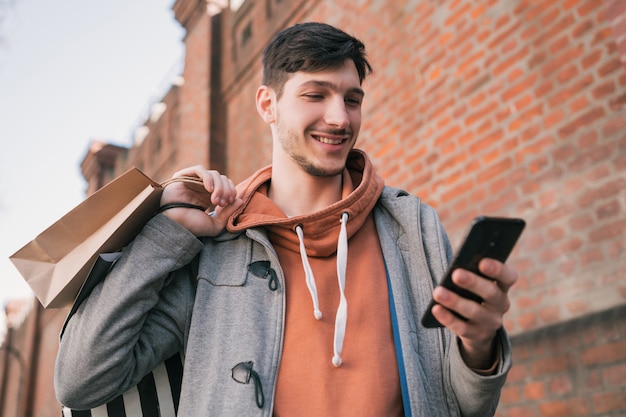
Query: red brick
x,y
607,353
618,102
560,385
544,88
564,58
559,44
591,256
615,375
550,16
614,126
577,307
601,36
526,302
587,118
578,104
550,314
458,14
564,408
588,7
561,26
534,391
607,190
592,156
519,87
457,190
609,67
510,61
528,33
495,170
603,90
587,140
608,232
607,402
510,394
582,28
554,118
592,58
609,209
527,321
594,379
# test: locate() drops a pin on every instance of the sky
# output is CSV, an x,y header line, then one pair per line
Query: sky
x,y
71,71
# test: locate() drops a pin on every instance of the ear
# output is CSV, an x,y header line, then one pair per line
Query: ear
x,y
265,104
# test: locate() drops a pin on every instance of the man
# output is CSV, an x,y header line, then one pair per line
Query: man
x,y
309,302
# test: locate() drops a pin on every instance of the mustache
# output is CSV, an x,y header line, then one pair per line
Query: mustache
x,y
335,132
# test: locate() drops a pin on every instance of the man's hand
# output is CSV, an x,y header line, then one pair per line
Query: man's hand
x,y
217,191
477,334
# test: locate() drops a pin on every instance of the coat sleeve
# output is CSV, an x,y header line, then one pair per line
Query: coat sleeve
x,y
132,321
476,395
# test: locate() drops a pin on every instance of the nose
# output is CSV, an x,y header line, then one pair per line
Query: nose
x,y
337,113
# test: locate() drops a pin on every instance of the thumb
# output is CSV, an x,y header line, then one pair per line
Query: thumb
x,y
222,213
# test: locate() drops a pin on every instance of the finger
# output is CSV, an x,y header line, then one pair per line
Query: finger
x,y
456,303
445,317
193,171
493,297
210,178
214,223
224,191
477,319
197,171
485,288
222,213
503,274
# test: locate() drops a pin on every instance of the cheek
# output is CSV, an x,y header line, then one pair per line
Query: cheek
x,y
305,114
355,121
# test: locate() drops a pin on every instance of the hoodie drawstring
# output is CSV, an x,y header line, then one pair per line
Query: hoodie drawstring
x,y
308,272
342,310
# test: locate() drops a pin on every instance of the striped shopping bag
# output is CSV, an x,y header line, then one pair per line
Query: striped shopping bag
x,y
156,395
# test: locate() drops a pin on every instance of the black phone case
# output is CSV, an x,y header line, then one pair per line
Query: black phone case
x,y
487,237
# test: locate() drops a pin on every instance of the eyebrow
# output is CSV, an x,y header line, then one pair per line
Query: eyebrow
x,y
328,84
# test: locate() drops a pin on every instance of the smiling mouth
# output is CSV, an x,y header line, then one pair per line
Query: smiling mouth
x,y
329,141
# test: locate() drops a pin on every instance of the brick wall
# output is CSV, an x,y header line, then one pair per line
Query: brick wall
x,y
576,369
27,360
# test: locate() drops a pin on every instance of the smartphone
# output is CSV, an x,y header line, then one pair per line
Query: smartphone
x,y
487,237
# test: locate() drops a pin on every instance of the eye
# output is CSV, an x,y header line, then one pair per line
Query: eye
x,y
353,101
314,96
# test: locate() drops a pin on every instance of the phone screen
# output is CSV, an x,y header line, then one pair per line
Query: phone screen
x,y
487,237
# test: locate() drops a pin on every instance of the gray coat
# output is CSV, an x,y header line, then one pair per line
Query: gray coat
x,y
145,311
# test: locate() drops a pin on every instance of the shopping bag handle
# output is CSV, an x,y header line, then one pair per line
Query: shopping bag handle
x,y
193,180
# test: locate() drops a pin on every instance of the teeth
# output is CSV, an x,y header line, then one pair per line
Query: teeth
x,y
329,141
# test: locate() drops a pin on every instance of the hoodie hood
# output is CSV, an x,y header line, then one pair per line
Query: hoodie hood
x,y
361,188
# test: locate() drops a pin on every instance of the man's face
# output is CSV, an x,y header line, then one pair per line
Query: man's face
x,y
318,118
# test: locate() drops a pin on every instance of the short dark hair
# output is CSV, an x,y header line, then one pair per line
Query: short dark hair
x,y
310,47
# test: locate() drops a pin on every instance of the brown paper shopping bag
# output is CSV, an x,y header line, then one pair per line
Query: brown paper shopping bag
x,y
56,263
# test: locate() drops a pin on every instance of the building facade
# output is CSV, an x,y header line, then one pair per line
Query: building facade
x,y
507,108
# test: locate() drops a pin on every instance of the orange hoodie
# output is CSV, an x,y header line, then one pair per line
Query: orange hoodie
x,y
364,380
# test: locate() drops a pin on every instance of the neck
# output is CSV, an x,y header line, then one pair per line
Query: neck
x,y
305,194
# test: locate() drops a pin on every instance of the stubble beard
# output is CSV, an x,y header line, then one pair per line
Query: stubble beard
x,y
289,142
